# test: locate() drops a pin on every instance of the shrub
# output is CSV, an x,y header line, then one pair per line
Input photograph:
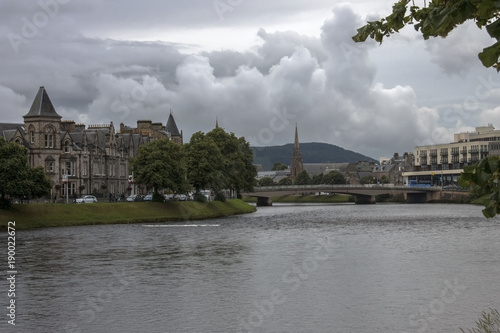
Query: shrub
x,y
220,197
200,198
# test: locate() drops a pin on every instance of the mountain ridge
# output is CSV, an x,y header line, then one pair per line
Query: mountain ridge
x,y
312,152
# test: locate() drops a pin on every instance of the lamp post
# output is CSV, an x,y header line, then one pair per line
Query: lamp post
x,y
65,181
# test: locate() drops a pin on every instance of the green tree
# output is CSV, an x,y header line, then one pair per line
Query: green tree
x,y
483,178
384,180
303,178
237,158
366,180
17,178
334,177
277,166
205,163
266,181
317,179
439,18
285,181
159,164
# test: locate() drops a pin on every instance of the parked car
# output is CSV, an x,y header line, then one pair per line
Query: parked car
x,y
86,199
148,197
180,197
134,198
169,197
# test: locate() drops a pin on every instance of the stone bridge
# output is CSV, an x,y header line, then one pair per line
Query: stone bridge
x,y
364,194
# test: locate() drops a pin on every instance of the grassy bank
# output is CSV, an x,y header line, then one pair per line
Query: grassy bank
x,y
58,215
307,199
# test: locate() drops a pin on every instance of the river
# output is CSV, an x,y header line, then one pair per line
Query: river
x,y
287,268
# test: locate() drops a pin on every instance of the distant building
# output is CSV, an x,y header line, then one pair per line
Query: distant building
x,y
442,164
82,160
297,163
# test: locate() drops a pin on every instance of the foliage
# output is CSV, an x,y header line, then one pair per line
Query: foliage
x,y
17,178
488,323
384,180
158,197
439,18
266,181
366,180
334,177
285,181
317,179
220,197
205,163
160,164
303,178
237,159
198,197
277,166
483,178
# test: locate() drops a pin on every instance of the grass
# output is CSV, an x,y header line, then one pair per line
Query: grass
x,y
307,199
57,215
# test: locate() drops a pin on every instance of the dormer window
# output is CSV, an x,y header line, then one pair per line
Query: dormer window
x,y
67,148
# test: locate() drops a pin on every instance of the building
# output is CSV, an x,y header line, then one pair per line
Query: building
x,y
80,160
297,163
442,164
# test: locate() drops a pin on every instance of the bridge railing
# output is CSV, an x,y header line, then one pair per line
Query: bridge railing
x,y
327,187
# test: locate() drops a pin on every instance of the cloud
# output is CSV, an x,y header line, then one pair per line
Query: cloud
x,y
98,70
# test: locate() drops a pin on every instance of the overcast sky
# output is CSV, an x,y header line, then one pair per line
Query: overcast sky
x,y
259,67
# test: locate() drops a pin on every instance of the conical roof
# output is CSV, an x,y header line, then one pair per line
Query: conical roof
x,y
172,126
42,106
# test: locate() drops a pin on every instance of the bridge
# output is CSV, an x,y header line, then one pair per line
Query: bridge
x,y
364,194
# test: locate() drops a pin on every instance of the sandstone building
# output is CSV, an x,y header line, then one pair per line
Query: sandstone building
x,y
79,159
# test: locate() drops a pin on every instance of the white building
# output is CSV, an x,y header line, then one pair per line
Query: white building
x,y
442,164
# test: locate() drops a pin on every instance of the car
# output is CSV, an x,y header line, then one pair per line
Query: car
x,y
169,197
134,198
181,197
148,197
86,199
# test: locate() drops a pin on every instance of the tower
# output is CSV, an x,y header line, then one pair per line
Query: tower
x,y
297,163
174,131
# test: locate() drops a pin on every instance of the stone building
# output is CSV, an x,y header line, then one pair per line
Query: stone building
x,y
296,163
80,160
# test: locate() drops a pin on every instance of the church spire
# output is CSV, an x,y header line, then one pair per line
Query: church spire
x,y
297,163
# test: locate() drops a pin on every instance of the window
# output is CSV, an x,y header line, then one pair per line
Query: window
x,y
49,141
49,167
67,149
69,168
85,170
32,136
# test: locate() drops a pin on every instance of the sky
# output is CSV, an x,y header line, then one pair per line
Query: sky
x,y
259,68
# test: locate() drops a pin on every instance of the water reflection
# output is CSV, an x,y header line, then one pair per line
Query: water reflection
x,y
384,269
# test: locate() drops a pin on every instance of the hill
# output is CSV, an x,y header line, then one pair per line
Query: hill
x,y
313,152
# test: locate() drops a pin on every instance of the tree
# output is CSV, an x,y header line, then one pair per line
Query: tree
x,y
159,164
17,178
302,178
237,159
317,179
366,180
285,181
439,18
384,180
483,178
277,166
266,181
205,163
334,177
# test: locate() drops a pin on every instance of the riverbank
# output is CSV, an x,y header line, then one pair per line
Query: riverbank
x,y
28,216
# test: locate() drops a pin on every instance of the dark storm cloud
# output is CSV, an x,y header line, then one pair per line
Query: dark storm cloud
x,y
98,66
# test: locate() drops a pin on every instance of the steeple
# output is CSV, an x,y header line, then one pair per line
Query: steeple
x,y
216,123
42,106
297,163
171,127
296,147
